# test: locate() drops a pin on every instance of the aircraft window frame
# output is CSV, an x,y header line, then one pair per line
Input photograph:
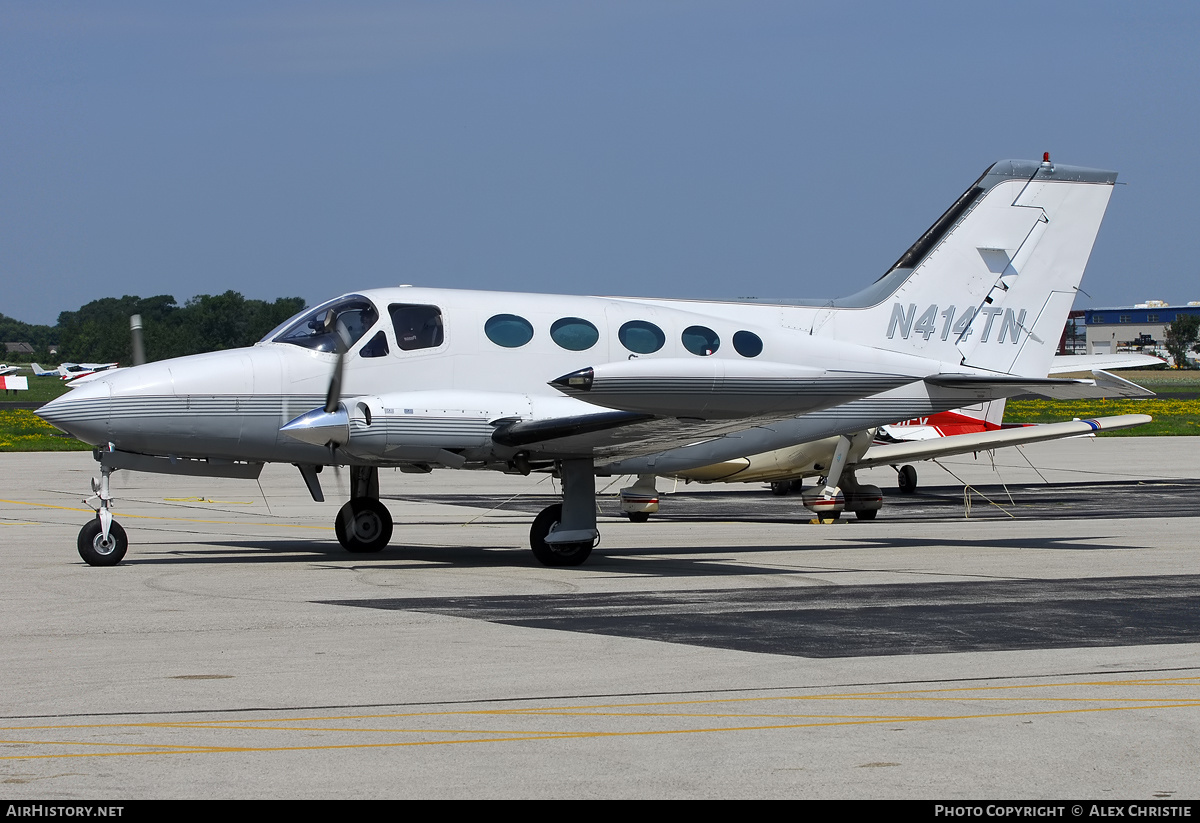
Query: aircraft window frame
x,y
631,329
429,333
747,343
353,317
700,340
509,331
574,333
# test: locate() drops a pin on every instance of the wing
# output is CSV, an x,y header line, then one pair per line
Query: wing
x,y
615,435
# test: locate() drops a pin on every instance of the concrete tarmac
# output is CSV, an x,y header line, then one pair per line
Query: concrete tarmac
x,y
1041,642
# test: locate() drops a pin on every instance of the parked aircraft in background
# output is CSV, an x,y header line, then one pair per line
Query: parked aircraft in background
x,y
834,460
71,371
418,378
785,469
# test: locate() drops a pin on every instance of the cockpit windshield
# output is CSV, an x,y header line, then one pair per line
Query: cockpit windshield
x,y
319,329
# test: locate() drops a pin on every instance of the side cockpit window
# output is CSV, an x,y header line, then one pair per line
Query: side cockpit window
x,y
378,347
348,318
417,327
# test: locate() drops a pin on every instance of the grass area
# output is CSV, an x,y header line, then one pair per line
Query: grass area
x,y
1171,417
41,390
1176,409
24,431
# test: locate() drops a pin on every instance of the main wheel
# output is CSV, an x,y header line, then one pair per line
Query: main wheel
x,y
638,517
95,550
906,478
363,525
866,514
563,554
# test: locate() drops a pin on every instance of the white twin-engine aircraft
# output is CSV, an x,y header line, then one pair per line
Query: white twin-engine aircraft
x,y
418,378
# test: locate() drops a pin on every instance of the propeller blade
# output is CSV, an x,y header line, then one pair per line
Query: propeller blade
x,y
334,396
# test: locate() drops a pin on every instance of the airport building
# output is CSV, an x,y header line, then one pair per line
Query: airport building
x,y
1141,327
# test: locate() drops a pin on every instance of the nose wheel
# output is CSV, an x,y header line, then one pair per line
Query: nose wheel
x,y
363,525
98,550
102,542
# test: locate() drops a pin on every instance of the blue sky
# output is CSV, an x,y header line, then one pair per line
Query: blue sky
x,y
657,148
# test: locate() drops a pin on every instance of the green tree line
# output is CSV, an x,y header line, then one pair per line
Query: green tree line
x,y
99,331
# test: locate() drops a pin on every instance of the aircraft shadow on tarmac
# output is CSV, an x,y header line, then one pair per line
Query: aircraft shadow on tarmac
x,y
651,561
857,621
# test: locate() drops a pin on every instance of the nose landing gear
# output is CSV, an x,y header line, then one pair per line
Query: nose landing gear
x,y
102,542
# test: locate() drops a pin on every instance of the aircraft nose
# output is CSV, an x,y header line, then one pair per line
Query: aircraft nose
x,y
82,412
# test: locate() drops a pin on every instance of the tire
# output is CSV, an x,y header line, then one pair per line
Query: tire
x,y
781,488
363,525
94,550
570,554
638,517
906,479
866,514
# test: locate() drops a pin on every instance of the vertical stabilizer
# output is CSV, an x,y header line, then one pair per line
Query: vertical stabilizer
x,y
990,284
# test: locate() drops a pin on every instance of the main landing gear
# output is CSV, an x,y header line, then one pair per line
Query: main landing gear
x,y
363,524
840,491
565,533
906,479
640,500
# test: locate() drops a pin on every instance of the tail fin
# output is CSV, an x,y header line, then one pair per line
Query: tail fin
x,y
990,284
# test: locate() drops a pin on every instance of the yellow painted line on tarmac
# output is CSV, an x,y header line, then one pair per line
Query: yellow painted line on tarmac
x,y
702,711
47,506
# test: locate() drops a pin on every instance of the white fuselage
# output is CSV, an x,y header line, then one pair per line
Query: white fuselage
x,y
414,405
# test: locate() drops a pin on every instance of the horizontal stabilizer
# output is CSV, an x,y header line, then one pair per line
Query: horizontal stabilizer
x,y
892,453
1074,363
1053,388
1104,385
